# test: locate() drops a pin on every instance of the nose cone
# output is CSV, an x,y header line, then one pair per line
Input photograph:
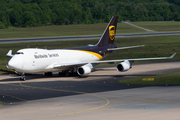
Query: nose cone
x,y
15,64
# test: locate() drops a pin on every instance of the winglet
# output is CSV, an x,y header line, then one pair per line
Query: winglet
x,y
9,53
172,56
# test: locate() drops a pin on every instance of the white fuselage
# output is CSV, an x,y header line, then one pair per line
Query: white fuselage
x,y
42,60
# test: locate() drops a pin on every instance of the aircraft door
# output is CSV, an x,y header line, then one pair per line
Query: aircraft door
x,y
33,64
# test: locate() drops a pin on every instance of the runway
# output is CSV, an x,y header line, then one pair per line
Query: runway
x,y
97,96
63,38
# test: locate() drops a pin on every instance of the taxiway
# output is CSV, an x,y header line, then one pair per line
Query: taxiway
x,y
85,37
97,96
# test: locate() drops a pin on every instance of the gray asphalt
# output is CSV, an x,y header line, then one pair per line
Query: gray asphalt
x,y
98,96
3,41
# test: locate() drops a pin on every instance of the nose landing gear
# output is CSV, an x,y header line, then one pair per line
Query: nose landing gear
x,y
22,78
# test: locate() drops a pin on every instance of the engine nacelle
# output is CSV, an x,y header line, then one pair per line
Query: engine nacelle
x,y
124,66
84,70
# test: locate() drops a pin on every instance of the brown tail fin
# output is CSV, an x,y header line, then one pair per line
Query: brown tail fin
x,y
109,33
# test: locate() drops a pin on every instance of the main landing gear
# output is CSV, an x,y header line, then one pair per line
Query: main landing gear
x,y
68,73
22,78
48,74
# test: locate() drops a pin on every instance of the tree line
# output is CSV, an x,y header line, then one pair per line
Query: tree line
x,y
32,13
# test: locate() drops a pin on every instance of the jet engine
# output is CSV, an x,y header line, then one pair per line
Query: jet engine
x,y
84,70
124,66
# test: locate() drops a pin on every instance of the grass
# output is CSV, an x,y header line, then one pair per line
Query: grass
x,y
160,26
173,78
1,102
85,29
64,30
159,46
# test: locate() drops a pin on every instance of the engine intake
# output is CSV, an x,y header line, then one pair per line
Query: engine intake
x,y
124,66
84,70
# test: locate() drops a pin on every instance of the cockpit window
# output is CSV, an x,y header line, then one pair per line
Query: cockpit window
x,y
19,53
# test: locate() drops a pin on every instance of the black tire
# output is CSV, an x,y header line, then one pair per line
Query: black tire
x,y
22,78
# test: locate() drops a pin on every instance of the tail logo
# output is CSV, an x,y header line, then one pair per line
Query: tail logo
x,y
112,32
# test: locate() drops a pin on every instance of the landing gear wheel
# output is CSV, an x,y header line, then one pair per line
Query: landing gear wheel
x,y
74,74
64,73
22,78
48,74
68,73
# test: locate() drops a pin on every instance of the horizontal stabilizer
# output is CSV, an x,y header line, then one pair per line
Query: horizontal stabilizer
x,y
9,53
90,45
120,48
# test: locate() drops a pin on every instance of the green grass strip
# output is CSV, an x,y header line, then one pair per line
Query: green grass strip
x,y
1,102
173,78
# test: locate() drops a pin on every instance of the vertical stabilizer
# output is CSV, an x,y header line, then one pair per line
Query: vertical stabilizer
x,y
109,33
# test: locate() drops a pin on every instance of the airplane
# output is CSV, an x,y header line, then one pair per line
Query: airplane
x,y
80,60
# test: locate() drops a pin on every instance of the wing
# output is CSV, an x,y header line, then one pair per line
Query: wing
x,y
66,66
78,64
136,59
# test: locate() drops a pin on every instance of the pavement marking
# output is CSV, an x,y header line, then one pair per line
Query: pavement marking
x,y
13,97
13,84
138,27
78,112
35,87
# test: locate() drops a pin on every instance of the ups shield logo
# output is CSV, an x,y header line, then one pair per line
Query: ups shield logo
x,y
112,32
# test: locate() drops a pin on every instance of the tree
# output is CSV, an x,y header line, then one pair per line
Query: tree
x,y
29,19
2,26
28,13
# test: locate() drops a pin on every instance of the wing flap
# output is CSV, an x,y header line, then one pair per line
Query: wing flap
x,y
69,65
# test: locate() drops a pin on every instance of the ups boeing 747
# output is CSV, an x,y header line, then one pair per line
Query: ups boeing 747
x,y
79,60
